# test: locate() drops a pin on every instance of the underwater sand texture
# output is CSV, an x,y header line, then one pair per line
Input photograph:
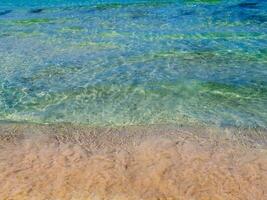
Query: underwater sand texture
x,y
79,163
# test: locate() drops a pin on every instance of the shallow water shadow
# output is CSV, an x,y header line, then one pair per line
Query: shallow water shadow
x,y
248,5
37,10
5,12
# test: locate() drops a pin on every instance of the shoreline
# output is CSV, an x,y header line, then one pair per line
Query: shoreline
x,y
252,138
157,162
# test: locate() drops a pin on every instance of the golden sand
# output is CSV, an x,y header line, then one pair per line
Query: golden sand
x,y
71,163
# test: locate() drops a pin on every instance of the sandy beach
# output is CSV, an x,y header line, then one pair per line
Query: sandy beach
x,y
67,162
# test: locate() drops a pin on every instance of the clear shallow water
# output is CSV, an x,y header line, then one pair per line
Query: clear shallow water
x,y
132,62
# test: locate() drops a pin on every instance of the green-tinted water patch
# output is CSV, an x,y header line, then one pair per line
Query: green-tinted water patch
x,y
135,62
28,22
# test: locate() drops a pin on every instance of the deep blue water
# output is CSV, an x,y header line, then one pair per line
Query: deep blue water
x,y
134,62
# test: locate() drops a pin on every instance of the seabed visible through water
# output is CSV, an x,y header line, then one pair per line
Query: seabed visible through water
x,y
133,163
133,100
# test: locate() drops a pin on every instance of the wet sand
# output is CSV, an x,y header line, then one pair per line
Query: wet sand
x,y
67,162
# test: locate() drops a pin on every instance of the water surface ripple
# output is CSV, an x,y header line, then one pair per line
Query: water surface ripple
x,y
132,62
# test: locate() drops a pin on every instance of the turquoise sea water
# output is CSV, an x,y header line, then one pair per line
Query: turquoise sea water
x,y
134,62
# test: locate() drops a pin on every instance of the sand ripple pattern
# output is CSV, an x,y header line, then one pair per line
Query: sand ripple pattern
x,y
173,166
